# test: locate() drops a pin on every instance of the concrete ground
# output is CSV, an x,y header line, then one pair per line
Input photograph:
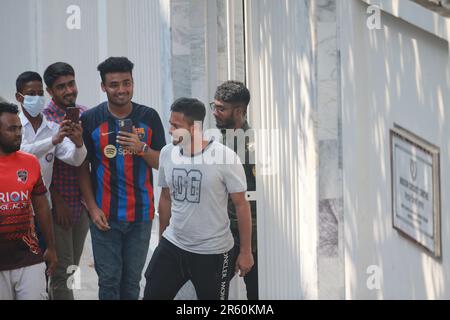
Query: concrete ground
x,y
86,282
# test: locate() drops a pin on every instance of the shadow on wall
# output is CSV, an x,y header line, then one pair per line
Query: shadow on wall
x,y
282,91
398,74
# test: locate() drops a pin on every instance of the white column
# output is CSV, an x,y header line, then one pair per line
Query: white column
x,y
280,60
144,43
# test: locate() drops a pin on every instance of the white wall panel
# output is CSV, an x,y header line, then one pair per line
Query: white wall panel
x,y
143,43
79,48
36,34
280,74
18,42
397,74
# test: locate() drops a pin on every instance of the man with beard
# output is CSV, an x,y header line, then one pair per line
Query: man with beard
x,y
196,242
230,109
71,222
21,190
123,140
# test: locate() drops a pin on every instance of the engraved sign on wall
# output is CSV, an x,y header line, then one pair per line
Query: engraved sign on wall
x,y
416,189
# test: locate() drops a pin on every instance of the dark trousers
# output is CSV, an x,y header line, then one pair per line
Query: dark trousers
x,y
171,267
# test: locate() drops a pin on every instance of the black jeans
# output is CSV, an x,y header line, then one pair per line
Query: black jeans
x,y
171,267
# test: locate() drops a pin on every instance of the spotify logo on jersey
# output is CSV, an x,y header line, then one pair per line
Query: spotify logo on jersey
x,y
110,151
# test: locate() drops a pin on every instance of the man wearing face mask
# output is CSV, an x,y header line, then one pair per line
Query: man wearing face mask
x,y
46,139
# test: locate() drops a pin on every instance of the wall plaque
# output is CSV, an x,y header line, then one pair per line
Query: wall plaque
x,y
415,182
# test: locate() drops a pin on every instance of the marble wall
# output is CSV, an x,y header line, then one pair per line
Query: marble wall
x,y
181,48
331,271
200,48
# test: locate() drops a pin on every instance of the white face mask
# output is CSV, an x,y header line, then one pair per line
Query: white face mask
x,y
33,104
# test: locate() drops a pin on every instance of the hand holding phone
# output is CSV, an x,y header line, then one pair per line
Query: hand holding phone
x,y
128,138
73,114
126,125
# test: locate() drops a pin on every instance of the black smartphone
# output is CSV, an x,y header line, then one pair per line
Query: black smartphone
x,y
126,125
73,114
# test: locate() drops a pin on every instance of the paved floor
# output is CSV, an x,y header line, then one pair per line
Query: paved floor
x,y
86,282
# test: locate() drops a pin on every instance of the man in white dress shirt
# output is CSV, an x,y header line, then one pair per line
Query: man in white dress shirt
x,y
45,139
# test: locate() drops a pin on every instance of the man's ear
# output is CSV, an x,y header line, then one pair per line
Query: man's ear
x,y
19,98
103,86
239,111
49,91
243,109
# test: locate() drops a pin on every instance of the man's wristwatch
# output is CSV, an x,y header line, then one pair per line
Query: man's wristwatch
x,y
144,150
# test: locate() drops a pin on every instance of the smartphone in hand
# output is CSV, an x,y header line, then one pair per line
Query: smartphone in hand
x,y
72,114
125,125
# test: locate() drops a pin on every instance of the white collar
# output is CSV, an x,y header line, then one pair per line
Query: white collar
x,y
25,122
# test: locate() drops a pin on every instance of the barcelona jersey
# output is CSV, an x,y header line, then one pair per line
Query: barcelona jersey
x,y
121,180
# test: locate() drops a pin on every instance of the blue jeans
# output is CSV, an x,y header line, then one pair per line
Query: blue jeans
x,y
119,256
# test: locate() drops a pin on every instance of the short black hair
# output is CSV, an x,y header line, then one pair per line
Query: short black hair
x,y
115,64
26,77
56,70
232,91
6,107
193,109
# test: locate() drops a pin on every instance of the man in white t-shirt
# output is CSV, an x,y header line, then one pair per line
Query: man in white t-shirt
x,y
196,243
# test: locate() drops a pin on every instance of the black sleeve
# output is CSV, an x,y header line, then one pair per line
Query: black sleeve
x,y
87,138
158,136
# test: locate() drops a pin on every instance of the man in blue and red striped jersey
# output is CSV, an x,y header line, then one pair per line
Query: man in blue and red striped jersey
x,y
118,187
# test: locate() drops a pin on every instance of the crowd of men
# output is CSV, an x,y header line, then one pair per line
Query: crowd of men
x,y
67,169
